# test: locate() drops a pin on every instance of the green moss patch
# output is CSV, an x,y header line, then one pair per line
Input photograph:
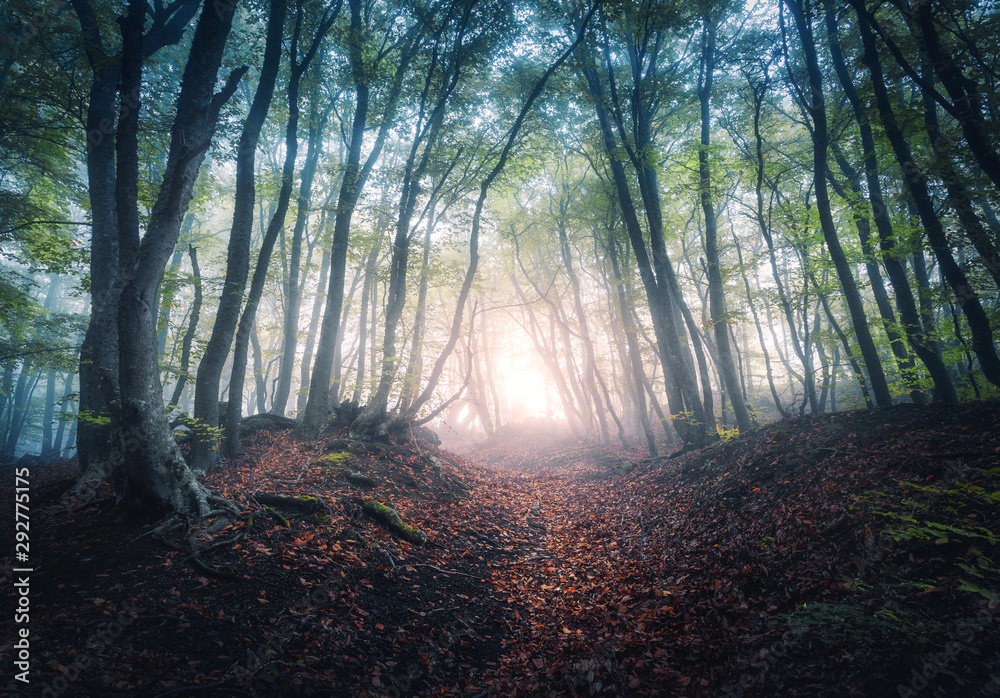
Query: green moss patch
x,y
388,517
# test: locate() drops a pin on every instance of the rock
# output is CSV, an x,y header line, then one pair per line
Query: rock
x,y
359,479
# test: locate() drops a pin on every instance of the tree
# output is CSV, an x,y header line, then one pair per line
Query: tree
x,y
642,45
466,33
157,478
720,320
363,67
815,105
99,357
206,408
297,68
917,187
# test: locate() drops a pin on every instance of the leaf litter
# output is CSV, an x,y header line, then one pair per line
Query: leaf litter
x,y
848,554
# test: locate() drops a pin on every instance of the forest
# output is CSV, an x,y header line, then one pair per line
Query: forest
x,y
257,256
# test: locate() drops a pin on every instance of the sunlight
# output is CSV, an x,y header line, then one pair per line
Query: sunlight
x,y
524,383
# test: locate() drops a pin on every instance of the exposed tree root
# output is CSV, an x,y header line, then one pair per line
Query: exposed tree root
x,y
87,484
211,571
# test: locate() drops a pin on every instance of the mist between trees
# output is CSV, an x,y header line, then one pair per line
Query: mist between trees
x,y
651,222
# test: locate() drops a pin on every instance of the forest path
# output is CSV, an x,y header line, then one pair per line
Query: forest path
x,y
583,583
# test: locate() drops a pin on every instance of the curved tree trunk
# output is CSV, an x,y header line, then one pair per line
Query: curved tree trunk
x,y
484,188
355,177
158,478
923,347
213,360
896,340
234,408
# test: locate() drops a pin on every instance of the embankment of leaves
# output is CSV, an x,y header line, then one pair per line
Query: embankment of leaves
x,y
304,594
852,554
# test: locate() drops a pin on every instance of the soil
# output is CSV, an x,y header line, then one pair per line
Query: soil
x,y
850,554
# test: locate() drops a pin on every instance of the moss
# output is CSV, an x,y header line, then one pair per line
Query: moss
x,y
318,518
388,517
294,505
278,515
336,458
351,534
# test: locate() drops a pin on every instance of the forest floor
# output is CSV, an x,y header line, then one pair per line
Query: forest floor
x,y
850,554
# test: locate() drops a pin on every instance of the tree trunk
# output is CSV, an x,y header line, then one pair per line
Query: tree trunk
x,y
57,447
923,347
896,341
158,479
166,300
293,295
484,188
191,329
717,303
916,183
966,98
590,375
415,367
367,283
548,356
958,197
27,381
634,355
99,349
816,107
260,384
760,331
213,361
662,315
355,177
317,309
234,408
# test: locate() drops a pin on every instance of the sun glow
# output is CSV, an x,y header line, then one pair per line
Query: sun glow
x,y
525,384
